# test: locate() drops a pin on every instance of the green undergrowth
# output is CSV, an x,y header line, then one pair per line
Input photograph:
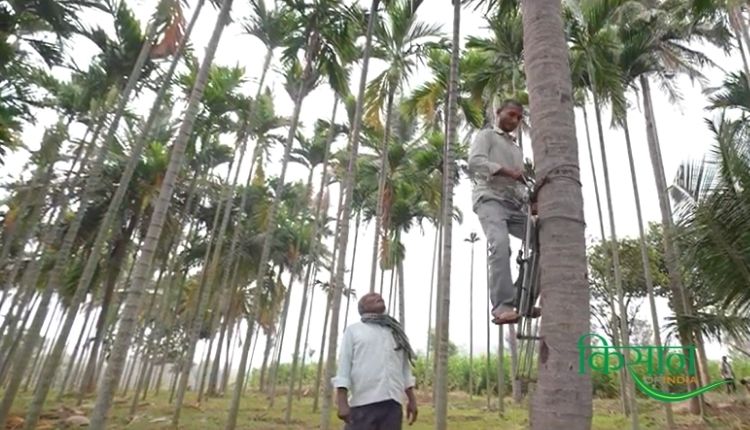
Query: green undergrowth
x,y
464,414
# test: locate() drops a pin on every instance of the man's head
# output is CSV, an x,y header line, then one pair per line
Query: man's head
x,y
508,115
371,303
724,358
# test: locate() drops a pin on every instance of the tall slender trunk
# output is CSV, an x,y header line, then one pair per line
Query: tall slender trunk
x,y
343,234
562,235
516,387
280,344
62,256
614,244
142,271
32,198
101,237
252,356
210,269
113,271
307,338
488,351
235,235
42,345
401,293
319,373
607,286
645,260
74,356
439,291
17,339
213,380
351,272
264,366
31,275
391,296
77,371
679,300
438,231
382,176
271,228
313,251
204,372
500,371
196,319
471,323
441,401
228,358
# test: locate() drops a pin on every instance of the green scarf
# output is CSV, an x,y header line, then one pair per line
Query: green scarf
x,y
402,342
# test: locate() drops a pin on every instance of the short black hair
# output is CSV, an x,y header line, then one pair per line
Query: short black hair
x,y
510,103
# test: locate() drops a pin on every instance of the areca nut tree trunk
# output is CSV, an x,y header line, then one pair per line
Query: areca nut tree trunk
x,y
472,239
563,396
143,266
52,362
648,278
210,268
270,229
679,298
343,233
444,285
382,175
313,252
63,254
234,259
614,245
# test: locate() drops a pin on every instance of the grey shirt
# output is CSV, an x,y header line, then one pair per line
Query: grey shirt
x,y
491,150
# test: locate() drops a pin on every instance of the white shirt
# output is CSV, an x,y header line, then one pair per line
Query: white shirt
x,y
369,366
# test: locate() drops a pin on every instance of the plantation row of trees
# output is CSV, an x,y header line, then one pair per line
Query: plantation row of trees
x,y
156,231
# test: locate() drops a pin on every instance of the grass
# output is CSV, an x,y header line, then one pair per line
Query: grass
x,y
727,413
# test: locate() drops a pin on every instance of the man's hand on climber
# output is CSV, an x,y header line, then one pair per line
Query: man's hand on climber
x,y
516,174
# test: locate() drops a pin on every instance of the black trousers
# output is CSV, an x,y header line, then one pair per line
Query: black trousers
x,y
386,415
731,388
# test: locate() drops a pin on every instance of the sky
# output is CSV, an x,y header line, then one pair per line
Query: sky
x,y
682,131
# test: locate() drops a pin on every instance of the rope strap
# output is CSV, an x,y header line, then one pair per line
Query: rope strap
x,y
555,174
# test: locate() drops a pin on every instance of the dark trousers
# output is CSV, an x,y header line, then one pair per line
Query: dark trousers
x,y
386,415
731,388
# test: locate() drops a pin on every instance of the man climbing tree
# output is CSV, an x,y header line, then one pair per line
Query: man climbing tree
x,y
499,197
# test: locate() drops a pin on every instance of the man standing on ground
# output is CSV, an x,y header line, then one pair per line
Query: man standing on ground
x,y
499,196
375,368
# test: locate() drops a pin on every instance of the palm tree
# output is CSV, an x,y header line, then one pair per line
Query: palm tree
x,y
668,56
594,51
444,283
211,265
709,205
313,159
399,40
498,62
325,32
562,241
472,239
52,362
142,271
65,250
342,238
